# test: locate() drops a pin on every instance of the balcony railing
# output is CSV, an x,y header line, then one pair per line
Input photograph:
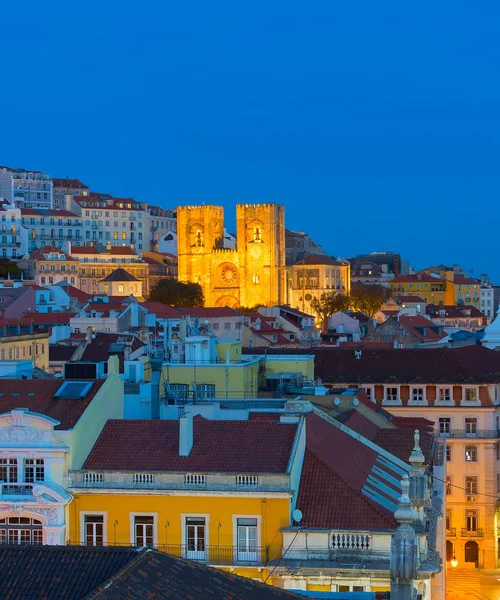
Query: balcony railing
x,y
478,434
16,489
475,533
451,532
210,555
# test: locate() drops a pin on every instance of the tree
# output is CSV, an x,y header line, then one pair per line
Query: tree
x,y
177,293
8,267
368,298
329,303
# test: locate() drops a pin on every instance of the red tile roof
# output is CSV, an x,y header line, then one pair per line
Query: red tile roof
x,y
84,250
219,446
34,212
64,182
162,311
470,364
409,299
454,312
422,327
99,348
460,279
49,318
37,395
41,253
210,312
328,501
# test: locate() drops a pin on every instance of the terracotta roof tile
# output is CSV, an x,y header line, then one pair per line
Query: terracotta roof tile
x,y
220,446
37,395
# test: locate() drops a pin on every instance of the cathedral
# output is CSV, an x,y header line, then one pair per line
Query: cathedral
x,y
252,273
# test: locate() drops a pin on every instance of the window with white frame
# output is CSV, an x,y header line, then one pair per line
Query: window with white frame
x,y
8,470
470,394
470,427
391,394
247,536
471,486
144,530
471,520
444,426
444,394
369,393
94,530
205,391
418,394
34,470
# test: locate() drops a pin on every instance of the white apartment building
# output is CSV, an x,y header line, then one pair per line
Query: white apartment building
x,y
26,188
63,187
51,228
487,295
13,237
121,221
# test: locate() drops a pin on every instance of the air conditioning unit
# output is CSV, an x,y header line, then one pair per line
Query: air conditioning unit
x,y
471,498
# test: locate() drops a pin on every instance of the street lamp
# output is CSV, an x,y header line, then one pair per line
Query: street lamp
x,y
454,561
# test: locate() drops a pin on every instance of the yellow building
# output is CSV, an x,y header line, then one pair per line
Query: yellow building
x,y
315,275
429,288
251,274
212,491
25,346
462,290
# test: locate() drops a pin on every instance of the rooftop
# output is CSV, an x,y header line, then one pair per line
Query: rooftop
x,y
219,446
39,396
120,275
111,573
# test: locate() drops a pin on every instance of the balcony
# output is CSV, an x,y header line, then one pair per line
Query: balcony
x,y
451,532
16,489
478,434
477,533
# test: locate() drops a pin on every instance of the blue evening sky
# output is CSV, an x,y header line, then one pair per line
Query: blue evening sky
x,y
375,123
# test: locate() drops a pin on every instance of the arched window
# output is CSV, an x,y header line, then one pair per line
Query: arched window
x,y
21,530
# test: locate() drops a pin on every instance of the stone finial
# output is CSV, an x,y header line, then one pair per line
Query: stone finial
x,y
405,513
417,458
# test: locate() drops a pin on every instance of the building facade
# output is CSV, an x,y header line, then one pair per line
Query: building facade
x,y
14,238
26,189
51,228
161,228
252,274
314,275
62,187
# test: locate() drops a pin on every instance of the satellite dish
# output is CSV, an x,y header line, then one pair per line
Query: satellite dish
x,y
297,515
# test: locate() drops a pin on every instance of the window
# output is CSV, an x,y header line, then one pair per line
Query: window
x,y
94,530
195,537
143,531
498,483
215,326
444,394
8,470
180,391
448,485
444,426
121,287
448,453
21,530
247,535
227,326
34,470
471,486
391,394
470,427
471,394
448,519
417,394
115,235
471,453
205,391
471,520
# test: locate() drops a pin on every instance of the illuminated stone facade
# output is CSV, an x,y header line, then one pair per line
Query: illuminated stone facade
x,y
252,273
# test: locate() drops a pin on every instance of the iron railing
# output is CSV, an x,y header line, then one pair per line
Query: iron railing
x,y
451,532
478,434
476,533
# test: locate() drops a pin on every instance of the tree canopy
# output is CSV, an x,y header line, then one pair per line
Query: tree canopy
x,y
177,293
328,304
368,298
8,267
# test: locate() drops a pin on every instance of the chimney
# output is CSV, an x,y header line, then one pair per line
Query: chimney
x,y
113,365
185,434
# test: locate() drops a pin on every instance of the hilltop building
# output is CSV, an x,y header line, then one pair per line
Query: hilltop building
x,y
251,274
